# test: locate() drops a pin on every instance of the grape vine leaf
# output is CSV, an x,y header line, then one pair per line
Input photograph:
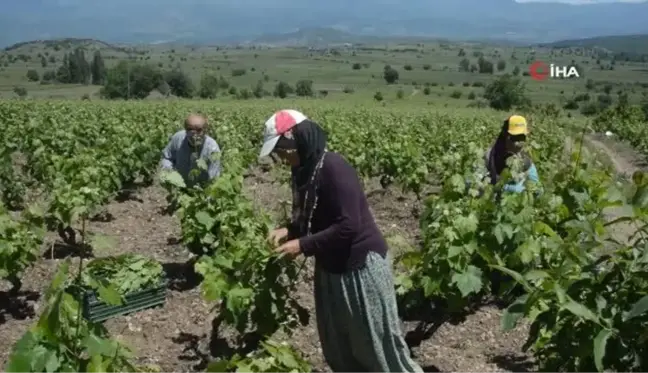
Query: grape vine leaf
x,y
468,281
638,308
513,313
600,342
173,178
102,243
19,363
98,346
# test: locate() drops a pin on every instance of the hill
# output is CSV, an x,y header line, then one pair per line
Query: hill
x,y
306,37
329,36
633,44
218,21
313,37
66,44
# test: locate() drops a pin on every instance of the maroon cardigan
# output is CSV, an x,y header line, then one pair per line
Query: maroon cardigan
x,y
343,230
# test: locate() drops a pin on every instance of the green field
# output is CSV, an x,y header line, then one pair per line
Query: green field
x,y
434,65
549,279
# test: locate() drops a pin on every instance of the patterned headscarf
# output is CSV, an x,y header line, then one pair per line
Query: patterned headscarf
x,y
310,142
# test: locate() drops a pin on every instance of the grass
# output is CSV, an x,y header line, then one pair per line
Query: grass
x,y
434,65
633,44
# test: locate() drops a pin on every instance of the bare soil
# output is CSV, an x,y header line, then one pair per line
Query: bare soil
x,y
625,161
623,157
178,336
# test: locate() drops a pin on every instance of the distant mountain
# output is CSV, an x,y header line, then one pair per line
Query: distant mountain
x,y
325,37
68,43
322,36
637,44
309,37
218,21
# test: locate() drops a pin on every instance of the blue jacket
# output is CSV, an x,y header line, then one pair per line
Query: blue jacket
x,y
530,174
178,155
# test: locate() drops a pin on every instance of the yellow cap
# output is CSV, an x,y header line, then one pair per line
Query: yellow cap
x,y
517,125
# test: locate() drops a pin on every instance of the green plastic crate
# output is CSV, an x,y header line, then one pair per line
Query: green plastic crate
x,y
96,310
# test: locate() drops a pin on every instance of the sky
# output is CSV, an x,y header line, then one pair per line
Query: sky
x,y
581,1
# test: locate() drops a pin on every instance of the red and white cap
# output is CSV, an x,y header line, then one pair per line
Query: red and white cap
x,y
278,124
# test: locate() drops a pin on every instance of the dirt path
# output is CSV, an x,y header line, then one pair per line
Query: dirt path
x,y
625,162
178,337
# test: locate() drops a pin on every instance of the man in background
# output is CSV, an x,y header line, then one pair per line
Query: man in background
x,y
186,147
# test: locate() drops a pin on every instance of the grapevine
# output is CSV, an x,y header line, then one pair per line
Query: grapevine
x,y
547,253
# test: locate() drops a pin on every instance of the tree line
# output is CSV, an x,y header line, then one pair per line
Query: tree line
x,y
136,80
74,69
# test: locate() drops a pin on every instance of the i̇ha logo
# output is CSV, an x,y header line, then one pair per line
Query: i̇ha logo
x,y
541,71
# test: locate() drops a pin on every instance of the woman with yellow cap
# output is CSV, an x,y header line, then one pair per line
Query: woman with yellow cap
x,y
509,143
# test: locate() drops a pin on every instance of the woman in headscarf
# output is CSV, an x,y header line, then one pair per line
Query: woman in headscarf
x,y
357,316
510,142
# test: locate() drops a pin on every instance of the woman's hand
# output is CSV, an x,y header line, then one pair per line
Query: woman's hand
x,y
290,249
277,235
